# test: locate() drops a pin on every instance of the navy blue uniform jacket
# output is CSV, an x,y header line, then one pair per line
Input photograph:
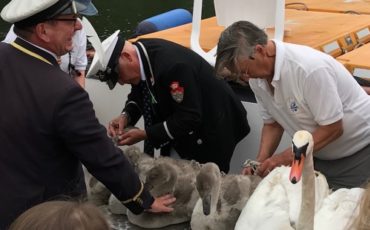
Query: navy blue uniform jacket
x,y
195,113
47,128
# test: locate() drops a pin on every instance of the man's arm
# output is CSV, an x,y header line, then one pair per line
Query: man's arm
x,y
325,134
322,136
77,126
270,139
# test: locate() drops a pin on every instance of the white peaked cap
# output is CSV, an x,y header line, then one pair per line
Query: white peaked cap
x,y
100,63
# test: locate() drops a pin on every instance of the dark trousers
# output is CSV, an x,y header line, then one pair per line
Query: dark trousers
x,y
347,172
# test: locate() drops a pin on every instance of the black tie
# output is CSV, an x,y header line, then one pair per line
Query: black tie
x,y
148,115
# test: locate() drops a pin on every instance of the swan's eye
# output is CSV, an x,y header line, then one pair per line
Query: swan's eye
x,y
316,174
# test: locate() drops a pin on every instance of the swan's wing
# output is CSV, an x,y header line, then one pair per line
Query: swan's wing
x,y
236,190
276,202
339,209
268,207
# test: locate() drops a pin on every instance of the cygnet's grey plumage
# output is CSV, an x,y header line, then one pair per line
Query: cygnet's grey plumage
x,y
161,176
99,195
161,179
222,197
170,176
115,206
141,161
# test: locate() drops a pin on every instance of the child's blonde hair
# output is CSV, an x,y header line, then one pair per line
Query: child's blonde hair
x,y
61,215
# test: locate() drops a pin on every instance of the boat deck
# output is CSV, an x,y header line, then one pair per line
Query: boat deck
x,y
333,33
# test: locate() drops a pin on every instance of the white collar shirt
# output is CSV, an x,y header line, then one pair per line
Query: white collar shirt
x,y
311,89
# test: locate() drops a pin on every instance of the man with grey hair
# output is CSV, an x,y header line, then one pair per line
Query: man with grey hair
x,y
297,87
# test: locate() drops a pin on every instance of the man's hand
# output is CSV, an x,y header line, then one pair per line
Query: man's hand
x,y
267,166
250,167
274,161
161,204
116,126
131,137
247,171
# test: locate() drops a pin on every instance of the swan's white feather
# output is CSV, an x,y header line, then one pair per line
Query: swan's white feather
x,y
339,209
276,202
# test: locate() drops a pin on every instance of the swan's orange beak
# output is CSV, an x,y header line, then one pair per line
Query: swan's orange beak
x,y
297,168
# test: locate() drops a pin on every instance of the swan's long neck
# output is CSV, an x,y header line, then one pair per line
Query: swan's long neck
x,y
215,195
307,212
208,185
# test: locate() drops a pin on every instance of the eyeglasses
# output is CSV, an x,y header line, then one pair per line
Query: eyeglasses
x,y
243,67
73,20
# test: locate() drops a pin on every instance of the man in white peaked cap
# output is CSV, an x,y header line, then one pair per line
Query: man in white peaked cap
x,y
48,124
184,106
74,62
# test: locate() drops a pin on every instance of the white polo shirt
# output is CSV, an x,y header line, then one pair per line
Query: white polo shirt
x,y
310,89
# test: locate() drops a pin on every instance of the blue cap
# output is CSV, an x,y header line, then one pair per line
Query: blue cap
x,y
86,7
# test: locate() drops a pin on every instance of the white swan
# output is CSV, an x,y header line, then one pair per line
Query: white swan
x,y
276,202
222,198
338,209
362,221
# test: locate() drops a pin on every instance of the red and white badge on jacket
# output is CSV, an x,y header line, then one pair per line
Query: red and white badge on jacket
x,y
177,92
